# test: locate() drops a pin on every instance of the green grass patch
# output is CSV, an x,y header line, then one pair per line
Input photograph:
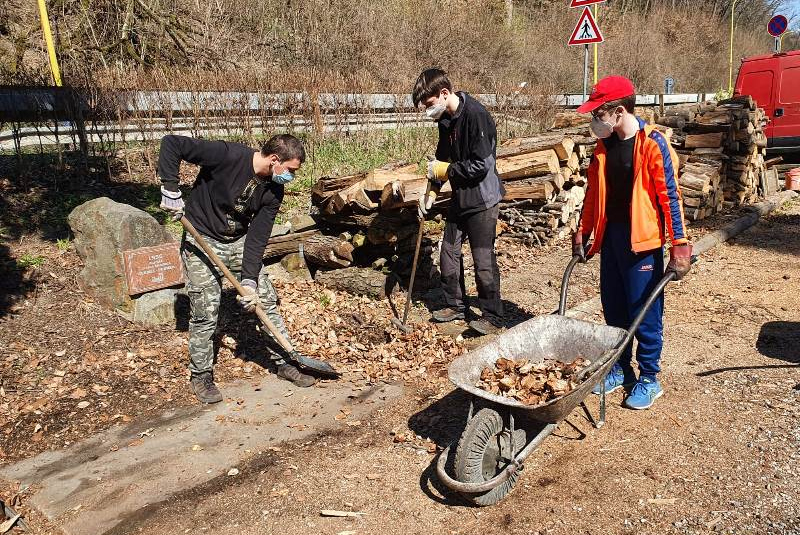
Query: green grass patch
x,y
337,155
28,260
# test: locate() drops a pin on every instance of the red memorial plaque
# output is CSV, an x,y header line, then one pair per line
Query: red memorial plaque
x,y
153,268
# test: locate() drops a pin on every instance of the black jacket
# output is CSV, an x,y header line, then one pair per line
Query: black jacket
x,y
468,140
228,199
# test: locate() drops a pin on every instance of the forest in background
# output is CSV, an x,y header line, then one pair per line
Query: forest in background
x,y
376,45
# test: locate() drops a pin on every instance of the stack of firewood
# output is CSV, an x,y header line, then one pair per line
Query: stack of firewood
x,y
546,218
543,177
721,148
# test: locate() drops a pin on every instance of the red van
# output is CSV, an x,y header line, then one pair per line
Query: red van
x,y
774,82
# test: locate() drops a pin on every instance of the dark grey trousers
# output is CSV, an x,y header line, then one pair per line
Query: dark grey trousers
x,y
480,229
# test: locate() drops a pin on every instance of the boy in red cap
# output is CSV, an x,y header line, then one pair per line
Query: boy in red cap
x,y
633,194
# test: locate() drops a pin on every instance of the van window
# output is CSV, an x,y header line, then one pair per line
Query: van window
x,y
758,84
790,86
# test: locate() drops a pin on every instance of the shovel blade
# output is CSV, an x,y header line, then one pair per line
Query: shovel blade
x,y
316,365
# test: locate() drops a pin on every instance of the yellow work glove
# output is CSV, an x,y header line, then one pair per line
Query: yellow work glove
x,y
437,170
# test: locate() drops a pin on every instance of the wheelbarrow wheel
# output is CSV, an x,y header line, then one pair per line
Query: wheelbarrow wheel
x,y
484,450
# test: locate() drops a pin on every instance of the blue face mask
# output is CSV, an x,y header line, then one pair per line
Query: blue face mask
x,y
283,178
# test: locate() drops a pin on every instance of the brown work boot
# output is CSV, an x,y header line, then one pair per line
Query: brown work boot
x,y
292,373
484,326
204,388
447,314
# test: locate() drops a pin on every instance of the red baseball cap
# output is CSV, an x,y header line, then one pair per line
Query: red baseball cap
x,y
607,89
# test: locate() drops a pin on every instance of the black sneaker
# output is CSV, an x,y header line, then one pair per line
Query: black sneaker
x,y
447,314
291,373
204,388
484,326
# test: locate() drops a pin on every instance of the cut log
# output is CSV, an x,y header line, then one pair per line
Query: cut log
x,y
563,145
675,121
355,280
377,179
327,251
694,141
398,194
288,243
528,165
701,184
536,190
327,186
573,162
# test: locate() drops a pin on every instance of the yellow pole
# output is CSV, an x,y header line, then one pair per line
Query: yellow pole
x,y
730,59
594,69
48,39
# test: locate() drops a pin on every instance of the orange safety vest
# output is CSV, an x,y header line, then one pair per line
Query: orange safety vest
x,y
656,199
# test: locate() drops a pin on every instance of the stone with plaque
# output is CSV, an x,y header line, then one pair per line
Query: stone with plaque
x,y
112,239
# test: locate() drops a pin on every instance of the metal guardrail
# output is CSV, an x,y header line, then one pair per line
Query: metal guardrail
x,y
60,114
28,103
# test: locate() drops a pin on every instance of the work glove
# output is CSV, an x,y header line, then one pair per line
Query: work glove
x,y
680,260
580,245
249,300
426,200
172,202
437,171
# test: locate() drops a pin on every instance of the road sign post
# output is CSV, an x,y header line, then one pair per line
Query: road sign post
x,y
776,26
585,33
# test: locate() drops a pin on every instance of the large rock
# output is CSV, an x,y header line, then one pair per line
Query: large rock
x,y
103,229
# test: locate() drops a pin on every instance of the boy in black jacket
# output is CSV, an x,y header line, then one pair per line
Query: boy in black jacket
x,y
465,156
234,201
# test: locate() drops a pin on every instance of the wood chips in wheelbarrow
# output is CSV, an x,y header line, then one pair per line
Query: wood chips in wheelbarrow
x,y
531,383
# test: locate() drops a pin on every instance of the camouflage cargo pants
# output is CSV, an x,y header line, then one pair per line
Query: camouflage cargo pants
x,y
205,290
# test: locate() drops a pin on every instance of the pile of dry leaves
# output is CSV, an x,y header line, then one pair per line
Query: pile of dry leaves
x,y
356,336
531,383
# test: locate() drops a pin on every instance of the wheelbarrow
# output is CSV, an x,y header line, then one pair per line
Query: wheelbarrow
x,y
495,443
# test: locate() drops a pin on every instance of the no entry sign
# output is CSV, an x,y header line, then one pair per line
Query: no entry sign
x,y
777,25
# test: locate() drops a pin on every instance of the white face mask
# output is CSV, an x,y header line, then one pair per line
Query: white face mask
x,y
600,128
436,111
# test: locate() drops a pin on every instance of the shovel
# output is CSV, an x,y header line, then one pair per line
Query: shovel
x,y
309,363
396,321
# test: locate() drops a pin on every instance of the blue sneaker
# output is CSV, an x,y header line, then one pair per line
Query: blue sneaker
x,y
644,393
614,380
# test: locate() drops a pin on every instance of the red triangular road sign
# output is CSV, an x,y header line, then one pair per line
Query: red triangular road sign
x,y
582,3
586,32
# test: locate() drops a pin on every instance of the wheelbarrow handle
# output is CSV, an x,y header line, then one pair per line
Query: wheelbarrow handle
x,y
562,303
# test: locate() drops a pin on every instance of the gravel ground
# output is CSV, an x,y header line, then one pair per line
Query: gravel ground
x,y
718,453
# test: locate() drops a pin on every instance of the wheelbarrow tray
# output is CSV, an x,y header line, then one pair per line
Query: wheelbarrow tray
x,y
537,339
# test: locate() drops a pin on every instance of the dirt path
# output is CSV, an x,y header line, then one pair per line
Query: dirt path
x,y
718,453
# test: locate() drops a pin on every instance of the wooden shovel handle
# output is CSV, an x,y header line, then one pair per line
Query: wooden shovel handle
x,y
236,284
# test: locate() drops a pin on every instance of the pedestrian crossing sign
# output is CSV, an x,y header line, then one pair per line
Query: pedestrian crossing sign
x,y
586,32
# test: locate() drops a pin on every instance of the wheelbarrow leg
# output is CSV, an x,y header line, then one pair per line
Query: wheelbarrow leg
x,y
601,420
